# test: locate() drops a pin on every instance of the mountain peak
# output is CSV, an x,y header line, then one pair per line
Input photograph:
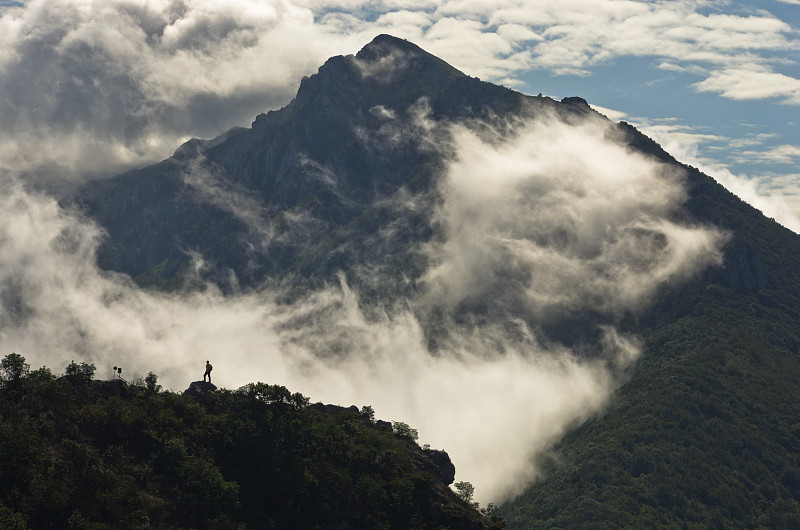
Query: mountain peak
x,y
385,45
387,55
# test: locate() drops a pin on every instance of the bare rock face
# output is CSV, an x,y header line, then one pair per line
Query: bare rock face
x,y
200,389
440,465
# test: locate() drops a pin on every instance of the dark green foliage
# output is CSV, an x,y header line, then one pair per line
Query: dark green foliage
x,y
706,432
151,381
405,430
465,491
82,372
78,453
13,368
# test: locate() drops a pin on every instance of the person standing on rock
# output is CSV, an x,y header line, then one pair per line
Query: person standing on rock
x,y
208,372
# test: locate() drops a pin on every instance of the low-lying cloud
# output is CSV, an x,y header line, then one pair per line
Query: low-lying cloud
x,y
542,224
565,216
550,220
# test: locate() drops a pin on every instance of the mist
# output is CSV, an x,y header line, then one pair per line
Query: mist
x,y
541,224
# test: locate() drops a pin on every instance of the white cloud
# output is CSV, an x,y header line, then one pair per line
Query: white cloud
x,y
93,87
775,195
492,395
752,82
611,114
535,210
758,139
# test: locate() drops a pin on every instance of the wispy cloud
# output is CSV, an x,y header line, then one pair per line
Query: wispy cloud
x,y
574,36
100,87
781,154
539,244
758,139
94,88
775,195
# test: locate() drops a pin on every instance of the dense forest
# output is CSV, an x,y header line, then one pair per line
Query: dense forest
x,y
706,432
81,453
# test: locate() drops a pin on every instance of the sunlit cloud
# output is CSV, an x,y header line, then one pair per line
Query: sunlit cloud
x,y
774,195
781,154
540,244
752,82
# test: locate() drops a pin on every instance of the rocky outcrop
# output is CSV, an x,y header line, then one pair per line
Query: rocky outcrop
x,y
200,390
333,409
439,464
434,461
115,387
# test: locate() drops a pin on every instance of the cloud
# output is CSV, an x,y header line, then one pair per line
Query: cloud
x,y
758,139
90,89
765,192
780,154
752,82
777,197
526,220
611,114
531,215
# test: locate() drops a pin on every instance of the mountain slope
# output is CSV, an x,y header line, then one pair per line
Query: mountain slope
x,y
281,197
705,433
347,179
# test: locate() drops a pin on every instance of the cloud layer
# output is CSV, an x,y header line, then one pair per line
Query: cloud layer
x,y
565,216
527,222
95,87
88,88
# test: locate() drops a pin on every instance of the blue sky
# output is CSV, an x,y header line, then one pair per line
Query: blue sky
x,y
93,87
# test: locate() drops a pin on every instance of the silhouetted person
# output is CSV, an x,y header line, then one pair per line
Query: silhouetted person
x,y
208,372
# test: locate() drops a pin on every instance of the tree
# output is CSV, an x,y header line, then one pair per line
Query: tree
x,y
404,429
368,413
150,382
13,368
465,491
83,372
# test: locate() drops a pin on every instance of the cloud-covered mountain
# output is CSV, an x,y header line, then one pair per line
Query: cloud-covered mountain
x,y
485,265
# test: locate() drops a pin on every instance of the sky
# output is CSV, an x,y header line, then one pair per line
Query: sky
x,y
111,85
91,88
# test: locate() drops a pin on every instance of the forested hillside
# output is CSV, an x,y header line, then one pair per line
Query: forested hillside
x,y
706,434
81,453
